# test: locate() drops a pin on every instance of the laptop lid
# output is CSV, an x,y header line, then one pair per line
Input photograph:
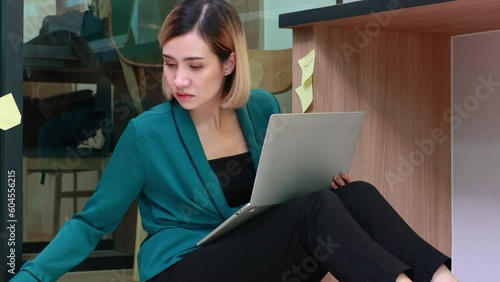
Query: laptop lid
x,y
303,152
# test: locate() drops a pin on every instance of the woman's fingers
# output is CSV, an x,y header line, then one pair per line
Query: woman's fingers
x,y
341,180
345,177
337,182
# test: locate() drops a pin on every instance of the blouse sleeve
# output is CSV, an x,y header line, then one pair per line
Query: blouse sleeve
x,y
119,186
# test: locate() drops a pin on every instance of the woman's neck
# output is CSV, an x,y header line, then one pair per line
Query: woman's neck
x,y
209,118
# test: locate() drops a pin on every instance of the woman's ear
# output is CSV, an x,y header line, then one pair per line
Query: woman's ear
x,y
230,64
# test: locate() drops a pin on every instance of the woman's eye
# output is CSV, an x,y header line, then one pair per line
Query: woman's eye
x,y
195,67
170,65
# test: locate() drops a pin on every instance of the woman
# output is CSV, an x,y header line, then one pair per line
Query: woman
x,y
190,162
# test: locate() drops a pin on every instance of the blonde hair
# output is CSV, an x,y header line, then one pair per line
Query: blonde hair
x,y
218,23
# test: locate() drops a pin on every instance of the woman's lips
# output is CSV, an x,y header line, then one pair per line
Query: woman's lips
x,y
184,96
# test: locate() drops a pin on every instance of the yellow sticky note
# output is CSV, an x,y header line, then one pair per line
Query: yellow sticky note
x,y
9,112
305,92
307,65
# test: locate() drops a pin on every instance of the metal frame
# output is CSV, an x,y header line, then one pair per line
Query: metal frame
x,y
11,180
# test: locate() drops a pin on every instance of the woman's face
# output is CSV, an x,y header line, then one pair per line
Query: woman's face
x,y
194,74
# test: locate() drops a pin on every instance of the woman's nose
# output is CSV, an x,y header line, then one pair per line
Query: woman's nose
x,y
181,80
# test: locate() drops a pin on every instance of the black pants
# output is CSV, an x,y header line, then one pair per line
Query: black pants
x,y
352,233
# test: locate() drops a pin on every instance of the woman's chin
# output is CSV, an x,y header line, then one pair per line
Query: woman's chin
x,y
187,104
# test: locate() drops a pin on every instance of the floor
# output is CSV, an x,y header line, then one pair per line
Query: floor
x,y
124,275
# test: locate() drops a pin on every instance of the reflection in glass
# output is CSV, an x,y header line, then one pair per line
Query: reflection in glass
x,y
89,67
67,111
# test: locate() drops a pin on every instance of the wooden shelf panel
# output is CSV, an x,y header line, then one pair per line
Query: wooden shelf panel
x,y
449,17
405,99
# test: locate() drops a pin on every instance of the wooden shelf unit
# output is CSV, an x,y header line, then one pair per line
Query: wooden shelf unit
x,y
392,60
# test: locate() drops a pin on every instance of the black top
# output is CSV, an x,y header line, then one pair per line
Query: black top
x,y
236,176
347,10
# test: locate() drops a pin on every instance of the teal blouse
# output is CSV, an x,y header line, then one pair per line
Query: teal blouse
x,y
151,164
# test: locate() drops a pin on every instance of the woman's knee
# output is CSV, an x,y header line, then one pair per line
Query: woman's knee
x,y
324,196
361,188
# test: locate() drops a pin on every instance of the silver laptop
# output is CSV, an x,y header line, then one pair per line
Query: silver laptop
x,y
301,154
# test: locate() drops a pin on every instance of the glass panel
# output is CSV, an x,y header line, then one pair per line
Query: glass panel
x,y
76,105
91,66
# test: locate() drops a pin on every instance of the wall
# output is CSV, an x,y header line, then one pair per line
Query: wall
x,y
34,12
276,38
476,156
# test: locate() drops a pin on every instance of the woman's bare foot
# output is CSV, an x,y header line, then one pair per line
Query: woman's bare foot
x,y
443,274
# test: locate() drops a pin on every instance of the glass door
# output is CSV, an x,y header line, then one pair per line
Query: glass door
x,y
71,75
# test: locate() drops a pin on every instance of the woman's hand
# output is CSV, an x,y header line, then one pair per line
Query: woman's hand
x,y
341,180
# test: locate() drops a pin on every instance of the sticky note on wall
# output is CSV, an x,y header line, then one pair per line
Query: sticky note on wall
x,y
9,112
305,90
